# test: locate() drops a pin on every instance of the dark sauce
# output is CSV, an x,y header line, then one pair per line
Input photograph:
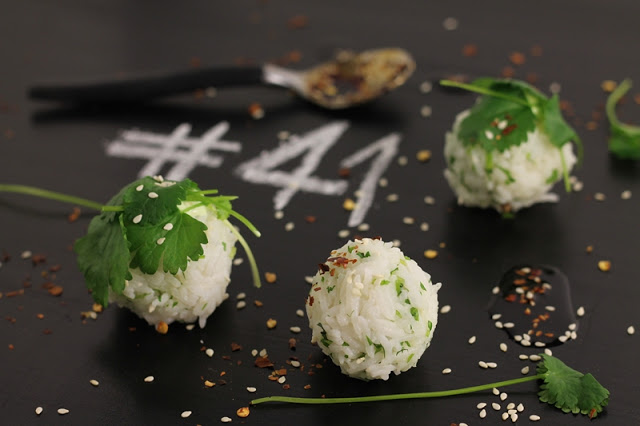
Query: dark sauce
x,y
533,306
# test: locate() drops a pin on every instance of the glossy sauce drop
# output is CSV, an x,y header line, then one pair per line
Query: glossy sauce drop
x,y
533,305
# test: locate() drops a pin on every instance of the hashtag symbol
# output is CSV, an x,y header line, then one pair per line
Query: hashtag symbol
x,y
177,147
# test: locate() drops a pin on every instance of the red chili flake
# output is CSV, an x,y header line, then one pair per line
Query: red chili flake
x,y
344,172
292,344
520,281
74,215
258,303
532,78
297,22
310,219
510,128
311,300
235,347
40,316
527,311
536,50
15,293
332,272
56,290
592,413
132,329
469,50
263,362
307,387
11,319
317,289
223,373
226,357
322,267
38,258
340,261
510,298
286,386
508,72
517,58
281,372
11,347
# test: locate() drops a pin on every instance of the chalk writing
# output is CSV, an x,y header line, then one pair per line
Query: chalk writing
x,y
177,147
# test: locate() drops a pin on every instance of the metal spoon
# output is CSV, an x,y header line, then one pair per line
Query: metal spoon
x,y
348,80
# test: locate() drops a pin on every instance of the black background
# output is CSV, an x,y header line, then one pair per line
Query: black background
x,y
583,42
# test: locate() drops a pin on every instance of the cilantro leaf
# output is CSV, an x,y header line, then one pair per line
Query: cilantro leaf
x,y
554,124
103,256
624,139
169,196
570,390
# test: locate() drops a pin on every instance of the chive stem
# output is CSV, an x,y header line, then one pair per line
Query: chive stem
x,y
252,260
417,395
614,98
483,91
57,196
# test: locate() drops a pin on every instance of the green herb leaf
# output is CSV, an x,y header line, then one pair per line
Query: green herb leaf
x,y
570,390
624,139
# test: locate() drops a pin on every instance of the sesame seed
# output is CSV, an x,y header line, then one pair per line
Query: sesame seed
x,y
446,371
555,87
429,200
534,417
511,406
548,351
225,419
523,357
295,363
251,389
525,370
241,304
300,313
153,195
550,308
540,344
403,160
495,406
295,329
289,226
426,86
424,226
39,410
168,227
520,408
383,182
482,364
450,23
625,195
495,290
283,135
160,241
26,254
631,330
363,227
282,379
495,391
574,335
472,340
238,261
580,311
263,352
483,413
185,414
190,327
137,219
499,324
505,415
392,198
503,347
514,417
139,187
445,309
503,396
407,220
496,316
563,339
209,352
94,382
343,233
462,424
508,325
63,411
278,214
426,111
481,405
149,379
599,196
525,342
488,134
492,365
535,358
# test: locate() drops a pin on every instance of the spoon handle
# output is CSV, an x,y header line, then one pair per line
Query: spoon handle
x,y
148,88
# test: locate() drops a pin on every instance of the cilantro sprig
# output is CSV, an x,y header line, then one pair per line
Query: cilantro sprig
x,y
507,112
143,226
624,139
561,386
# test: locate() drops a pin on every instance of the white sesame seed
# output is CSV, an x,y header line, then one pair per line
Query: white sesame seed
x,y
450,23
363,227
534,417
514,417
295,363
499,324
511,406
503,396
540,344
550,308
495,406
137,219
94,382
472,340
525,370
168,227
509,325
225,419
241,304
599,196
492,365
535,358
495,391
523,357
403,160
407,220
283,135
426,111
396,243
445,309
238,261
625,195
63,411
392,198
149,379
517,337
263,352
505,415
424,226
446,371
503,347
161,240
462,424
555,87
295,329
496,317
520,408
26,254
483,413
282,379
185,414
525,342
251,389
426,86
488,134
563,339
190,327
139,187
495,290
278,214
429,200
526,337
482,364
343,233
548,351
383,182
209,352
289,226
254,352
153,195
580,311
574,335
502,124
39,410
481,405
631,330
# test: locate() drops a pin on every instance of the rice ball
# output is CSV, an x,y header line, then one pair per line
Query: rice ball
x,y
372,310
522,175
192,294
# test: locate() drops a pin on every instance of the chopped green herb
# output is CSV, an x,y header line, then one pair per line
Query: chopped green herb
x,y
410,357
562,387
363,255
345,344
351,248
399,285
414,313
398,314
429,327
423,287
330,288
553,177
325,341
384,282
624,139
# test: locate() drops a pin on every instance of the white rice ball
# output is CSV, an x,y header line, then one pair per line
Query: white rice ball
x,y
522,175
372,309
192,294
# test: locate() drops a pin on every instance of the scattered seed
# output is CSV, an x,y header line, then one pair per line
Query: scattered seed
x,y
431,254
282,379
26,254
162,327
209,352
495,406
94,382
403,160
392,198
499,324
482,364
424,226
608,85
446,371
580,311
241,304
496,317
295,363
505,416
535,358
63,411
503,347
426,87
523,357
278,214
270,277
185,414
251,389
599,196
243,412
450,23
548,351
429,200
153,195
508,325
137,219
238,261
495,290
289,226
625,195
495,391
300,313
149,379
271,323
383,182
139,187
503,396
161,241
525,370
225,419
295,329
604,265
407,220
39,410
472,340
445,309
256,111
514,417
363,227
209,383
492,365
423,155
555,87
426,111
520,408
343,233
534,417
483,413
631,330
